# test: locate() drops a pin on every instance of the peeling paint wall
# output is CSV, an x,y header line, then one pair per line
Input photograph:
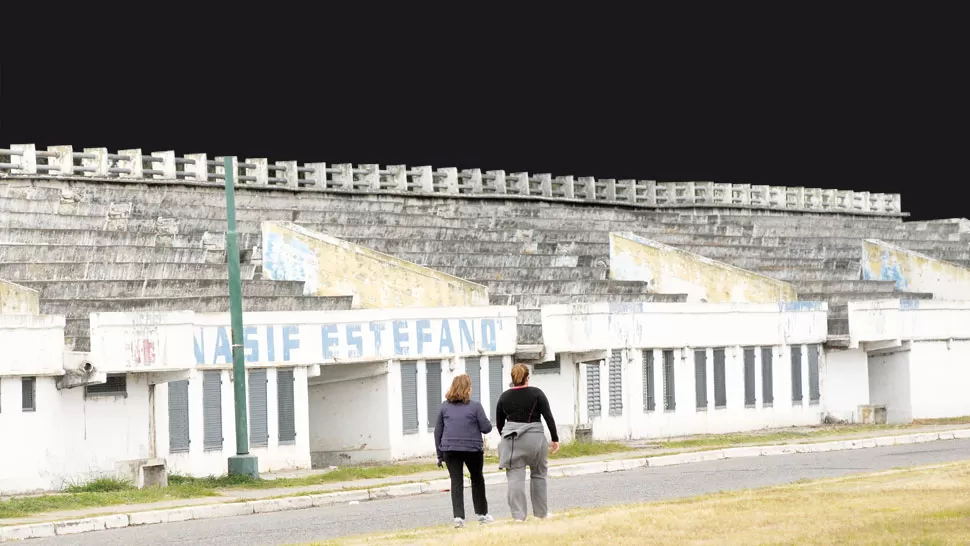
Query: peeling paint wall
x,y
914,272
18,300
674,271
332,267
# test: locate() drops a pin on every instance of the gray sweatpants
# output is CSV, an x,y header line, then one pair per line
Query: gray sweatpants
x,y
538,463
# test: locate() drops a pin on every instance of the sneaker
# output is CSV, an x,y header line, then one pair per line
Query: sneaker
x,y
459,523
487,518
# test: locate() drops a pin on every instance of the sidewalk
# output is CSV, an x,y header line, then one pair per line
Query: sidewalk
x,y
248,501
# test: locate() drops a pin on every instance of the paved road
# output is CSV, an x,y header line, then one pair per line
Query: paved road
x,y
594,490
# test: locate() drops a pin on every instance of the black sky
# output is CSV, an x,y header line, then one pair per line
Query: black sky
x,y
871,102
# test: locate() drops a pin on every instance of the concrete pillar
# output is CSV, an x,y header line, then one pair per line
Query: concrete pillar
x,y
133,163
198,169
221,169
290,174
843,199
568,186
343,179
396,178
662,193
740,194
813,198
893,203
497,179
63,160
95,162
587,188
544,181
759,196
521,183
26,162
421,179
316,179
776,197
259,171
473,178
703,192
795,198
860,200
609,189
647,194
166,165
626,191
828,199
368,176
449,179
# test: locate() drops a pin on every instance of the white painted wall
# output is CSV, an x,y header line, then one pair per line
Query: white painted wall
x,y
272,458
348,407
940,379
889,384
560,389
845,383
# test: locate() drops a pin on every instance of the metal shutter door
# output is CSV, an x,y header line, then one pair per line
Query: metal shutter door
x,y
749,396
593,389
670,391
258,416
409,397
178,416
212,410
720,388
649,404
813,386
285,407
473,367
433,388
494,383
616,383
796,373
700,378
767,377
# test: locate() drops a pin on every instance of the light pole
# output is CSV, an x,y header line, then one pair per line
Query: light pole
x,y
243,463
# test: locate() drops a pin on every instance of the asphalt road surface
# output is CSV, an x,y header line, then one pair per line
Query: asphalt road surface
x,y
648,484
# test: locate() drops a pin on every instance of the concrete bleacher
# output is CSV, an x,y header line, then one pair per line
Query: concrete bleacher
x,y
97,238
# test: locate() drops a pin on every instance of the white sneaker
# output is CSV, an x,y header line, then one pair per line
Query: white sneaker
x,y
487,518
459,523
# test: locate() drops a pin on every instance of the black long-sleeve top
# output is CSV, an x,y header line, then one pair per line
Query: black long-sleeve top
x,y
525,405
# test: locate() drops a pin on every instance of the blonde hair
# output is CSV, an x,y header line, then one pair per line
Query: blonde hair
x,y
461,389
520,374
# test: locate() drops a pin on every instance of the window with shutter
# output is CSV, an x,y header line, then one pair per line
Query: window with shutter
x,y
649,403
258,412
670,392
409,397
767,377
593,408
495,383
749,387
473,367
28,388
116,385
616,383
796,374
178,416
551,367
285,405
720,384
212,410
813,387
433,389
700,378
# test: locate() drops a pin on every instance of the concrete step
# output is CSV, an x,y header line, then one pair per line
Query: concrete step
x,y
788,263
108,254
805,274
563,288
160,288
35,271
831,287
843,253
84,237
679,239
536,301
21,220
77,308
481,274
441,259
844,297
510,246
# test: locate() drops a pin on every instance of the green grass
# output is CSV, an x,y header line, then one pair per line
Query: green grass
x,y
588,449
97,494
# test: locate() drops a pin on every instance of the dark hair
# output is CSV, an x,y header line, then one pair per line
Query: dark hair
x,y
520,374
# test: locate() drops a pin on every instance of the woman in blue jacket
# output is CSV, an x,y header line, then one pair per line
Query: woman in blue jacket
x,y
458,441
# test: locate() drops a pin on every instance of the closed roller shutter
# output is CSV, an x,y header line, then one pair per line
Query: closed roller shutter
x,y
258,413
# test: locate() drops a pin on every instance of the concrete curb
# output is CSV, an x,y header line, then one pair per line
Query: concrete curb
x,y
118,521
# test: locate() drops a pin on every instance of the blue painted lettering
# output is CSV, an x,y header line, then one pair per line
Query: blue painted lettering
x,y
270,345
467,339
200,347
251,344
488,334
376,328
355,340
329,334
223,346
400,338
423,335
291,341
446,342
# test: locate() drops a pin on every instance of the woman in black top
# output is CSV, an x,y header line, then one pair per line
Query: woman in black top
x,y
519,414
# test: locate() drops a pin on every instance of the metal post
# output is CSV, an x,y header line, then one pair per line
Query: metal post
x,y
242,463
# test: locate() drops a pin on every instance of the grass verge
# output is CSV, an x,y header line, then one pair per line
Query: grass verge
x,y
928,505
